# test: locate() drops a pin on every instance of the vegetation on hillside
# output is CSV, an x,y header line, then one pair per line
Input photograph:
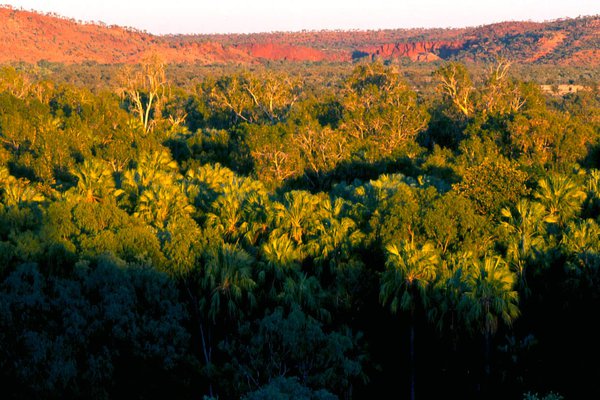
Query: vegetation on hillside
x,y
571,41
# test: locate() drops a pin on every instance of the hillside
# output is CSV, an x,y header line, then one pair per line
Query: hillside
x,y
30,37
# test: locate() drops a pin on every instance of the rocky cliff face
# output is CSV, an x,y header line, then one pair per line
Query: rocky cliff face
x,y
274,51
416,51
31,37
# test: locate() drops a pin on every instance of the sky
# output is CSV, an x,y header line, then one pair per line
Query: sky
x,y
246,16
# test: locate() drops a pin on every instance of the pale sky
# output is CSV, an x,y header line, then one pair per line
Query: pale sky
x,y
244,16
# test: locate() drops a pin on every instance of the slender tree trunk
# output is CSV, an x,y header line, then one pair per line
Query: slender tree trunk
x,y
487,367
147,113
200,343
411,360
207,351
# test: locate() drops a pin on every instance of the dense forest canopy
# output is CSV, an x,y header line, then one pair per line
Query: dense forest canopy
x,y
310,231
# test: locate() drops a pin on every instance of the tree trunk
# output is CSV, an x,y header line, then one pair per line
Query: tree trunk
x,y
207,351
411,360
201,345
487,367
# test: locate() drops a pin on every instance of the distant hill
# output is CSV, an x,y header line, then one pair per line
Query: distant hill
x,y
30,37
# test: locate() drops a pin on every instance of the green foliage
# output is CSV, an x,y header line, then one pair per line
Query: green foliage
x,y
380,111
409,273
287,389
293,344
536,396
492,185
490,296
227,281
89,334
244,235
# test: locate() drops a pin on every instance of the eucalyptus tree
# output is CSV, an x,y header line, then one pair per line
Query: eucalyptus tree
x,y
455,84
17,83
493,184
451,222
380,111
253,97
145,87
394,207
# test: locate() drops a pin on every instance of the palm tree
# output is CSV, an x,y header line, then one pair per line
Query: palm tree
x,y
280,254
450,286
227,280
158,161
94,181
561,196
526,231
18,192
226,285
338,233
152,168
298,216
405,284
580,244
592,201
444,311
238,213
489,299
160,204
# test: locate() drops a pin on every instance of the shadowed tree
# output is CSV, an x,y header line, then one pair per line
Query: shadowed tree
x,y
227,281
525,227
405,285
490,298
581,245
226,290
